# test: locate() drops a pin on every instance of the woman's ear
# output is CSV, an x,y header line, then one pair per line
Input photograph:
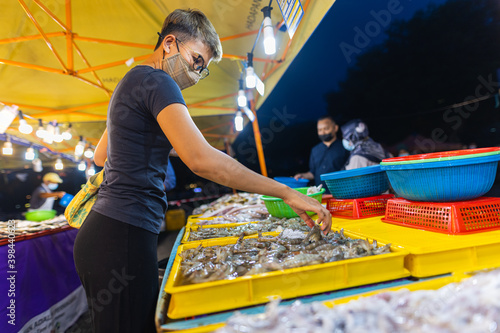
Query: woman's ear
x,y
167,43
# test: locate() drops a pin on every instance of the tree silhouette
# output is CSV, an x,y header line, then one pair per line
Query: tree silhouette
x,y
443,55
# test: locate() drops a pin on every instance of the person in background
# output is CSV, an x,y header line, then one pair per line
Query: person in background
x,y
364,151
43,196
403,152
327,156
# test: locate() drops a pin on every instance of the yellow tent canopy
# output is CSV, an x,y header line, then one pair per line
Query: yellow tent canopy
x,y
60,59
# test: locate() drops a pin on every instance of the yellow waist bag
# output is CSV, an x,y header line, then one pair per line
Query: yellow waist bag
x,y
78,209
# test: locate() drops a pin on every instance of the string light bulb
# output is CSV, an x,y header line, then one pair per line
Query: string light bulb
x,y
91,171
7,147
59,164
238,121
250,73
82,166
242,98
30,154
88,153
67,134
41,132
24,127
57,134
80,147
269,40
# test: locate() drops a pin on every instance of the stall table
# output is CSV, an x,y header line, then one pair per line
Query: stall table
x,y
41,289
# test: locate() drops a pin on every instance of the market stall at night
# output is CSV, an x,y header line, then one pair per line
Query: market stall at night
x,y
215,182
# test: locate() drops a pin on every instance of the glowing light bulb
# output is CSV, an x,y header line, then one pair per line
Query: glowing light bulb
x,y
269,40
24,127
88,153
59,164
91,171
30,154
238,121
79,148
242,98
57,135
250,78
82,166
7,148
41,132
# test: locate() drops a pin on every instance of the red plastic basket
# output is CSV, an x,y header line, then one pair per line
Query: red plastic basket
x,y
359,208
461,217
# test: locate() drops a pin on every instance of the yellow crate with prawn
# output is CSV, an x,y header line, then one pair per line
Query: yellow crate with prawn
x,y
188,232
221,295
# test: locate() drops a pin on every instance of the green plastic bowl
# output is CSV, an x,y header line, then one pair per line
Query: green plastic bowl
x,y
40,215
278,208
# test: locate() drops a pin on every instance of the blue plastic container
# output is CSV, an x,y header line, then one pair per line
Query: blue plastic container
x,y
357,183
455,180
292,182
66,199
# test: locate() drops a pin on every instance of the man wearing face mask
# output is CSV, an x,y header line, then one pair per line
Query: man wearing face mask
x,y
364,151
43,196
327,156
115,249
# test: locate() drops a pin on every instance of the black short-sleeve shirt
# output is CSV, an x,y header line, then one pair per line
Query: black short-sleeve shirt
x,y
137,157
326,159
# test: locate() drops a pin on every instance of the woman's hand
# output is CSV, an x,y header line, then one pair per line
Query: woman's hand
x,y
301,203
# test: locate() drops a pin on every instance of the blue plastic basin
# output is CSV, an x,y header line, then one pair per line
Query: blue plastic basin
x,y
443,181
66,199
357,183
292,182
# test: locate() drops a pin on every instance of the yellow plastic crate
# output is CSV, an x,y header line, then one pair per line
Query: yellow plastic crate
x,y
185,238
175,219
209,297
432,253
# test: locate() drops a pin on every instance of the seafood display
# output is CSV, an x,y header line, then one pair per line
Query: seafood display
x,y
232,204
290,249
472,305
30,227
268,225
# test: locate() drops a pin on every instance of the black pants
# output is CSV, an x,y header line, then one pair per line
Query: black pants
x,y
118,267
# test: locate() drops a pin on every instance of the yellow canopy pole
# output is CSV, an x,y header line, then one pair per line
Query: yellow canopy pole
x,y
258,142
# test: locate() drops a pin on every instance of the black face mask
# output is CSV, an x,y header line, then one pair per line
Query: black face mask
x,y
325,137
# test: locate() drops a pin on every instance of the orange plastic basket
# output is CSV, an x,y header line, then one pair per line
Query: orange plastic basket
x,y
462,217
359,208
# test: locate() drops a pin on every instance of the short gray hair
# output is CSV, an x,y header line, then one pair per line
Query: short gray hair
x,y
192,24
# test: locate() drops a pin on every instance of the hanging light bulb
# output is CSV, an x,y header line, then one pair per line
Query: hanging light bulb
x,y
88,153
238,121
59,164
250,73
91,171
7,147
37,165
82,166
67,134
80,147
30,154
49,136
269,41
41,132
24,127
242,98
57,134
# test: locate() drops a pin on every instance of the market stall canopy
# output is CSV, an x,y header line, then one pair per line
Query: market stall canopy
x,y
60,60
